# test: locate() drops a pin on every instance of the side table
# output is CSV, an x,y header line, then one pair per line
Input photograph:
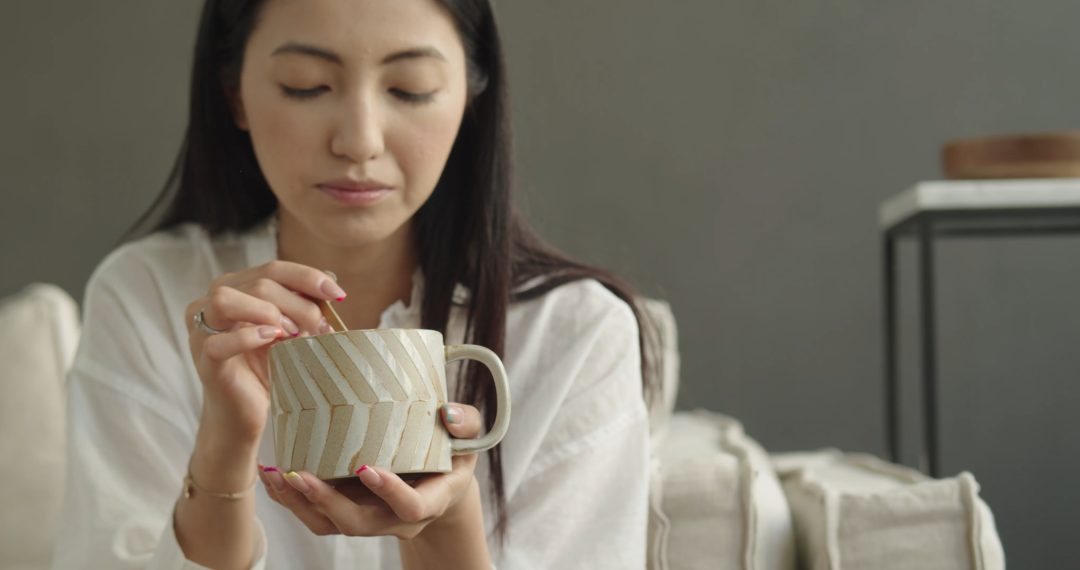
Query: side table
x,y
935,209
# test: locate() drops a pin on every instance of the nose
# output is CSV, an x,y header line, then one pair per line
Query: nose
x,y
358,132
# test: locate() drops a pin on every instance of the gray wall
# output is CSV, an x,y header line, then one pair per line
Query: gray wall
x,y
729,157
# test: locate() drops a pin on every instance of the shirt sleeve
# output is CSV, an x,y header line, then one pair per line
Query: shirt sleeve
x,y
583,502
129,437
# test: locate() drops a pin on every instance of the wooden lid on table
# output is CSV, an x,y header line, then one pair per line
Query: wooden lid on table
x,y
1042,155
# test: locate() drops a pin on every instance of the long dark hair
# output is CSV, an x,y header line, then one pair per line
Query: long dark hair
x,y
216,183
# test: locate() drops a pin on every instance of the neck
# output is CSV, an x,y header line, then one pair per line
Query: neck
x,y
374,275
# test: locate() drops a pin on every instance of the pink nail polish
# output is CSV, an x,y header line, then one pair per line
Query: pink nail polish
x,y
369,476
341,298
270,470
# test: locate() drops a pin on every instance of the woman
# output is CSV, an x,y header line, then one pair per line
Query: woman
x,y
370,139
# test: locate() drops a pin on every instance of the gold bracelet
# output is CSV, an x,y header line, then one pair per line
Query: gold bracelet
x,y
190,486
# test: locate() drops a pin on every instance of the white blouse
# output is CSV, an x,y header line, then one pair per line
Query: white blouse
x,y
575,459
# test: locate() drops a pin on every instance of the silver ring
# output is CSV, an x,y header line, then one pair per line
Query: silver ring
x,y
201,324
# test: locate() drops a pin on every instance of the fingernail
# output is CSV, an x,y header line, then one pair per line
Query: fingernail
x,y
274,476
331,289
453,414
369,476
334,277
324,327
289,325
297,482
269,332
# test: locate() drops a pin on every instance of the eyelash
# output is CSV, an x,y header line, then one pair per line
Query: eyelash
x,y
413,98
301,93
405,96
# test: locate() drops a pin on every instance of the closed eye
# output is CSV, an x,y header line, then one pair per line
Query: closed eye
x,y
406,96
303,93
413,98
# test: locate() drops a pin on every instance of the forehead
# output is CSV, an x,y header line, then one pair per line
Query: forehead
x,y
360,31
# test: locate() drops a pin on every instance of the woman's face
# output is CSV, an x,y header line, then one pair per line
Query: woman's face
x,y
369,91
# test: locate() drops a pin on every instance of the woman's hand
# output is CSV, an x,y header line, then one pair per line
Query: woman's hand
x,y
255,307
384,504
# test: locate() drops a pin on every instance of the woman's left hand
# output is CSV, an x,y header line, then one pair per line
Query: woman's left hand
x,y
380,503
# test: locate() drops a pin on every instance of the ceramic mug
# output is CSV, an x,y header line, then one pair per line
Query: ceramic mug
x,y
345,399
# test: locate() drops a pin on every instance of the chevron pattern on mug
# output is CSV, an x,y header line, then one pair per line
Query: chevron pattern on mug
x,y
345,399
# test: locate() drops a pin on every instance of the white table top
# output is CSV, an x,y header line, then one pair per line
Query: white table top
x,y
980,195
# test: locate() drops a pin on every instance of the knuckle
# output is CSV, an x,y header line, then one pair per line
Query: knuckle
x,y
273,267
219,298
413,513
261,287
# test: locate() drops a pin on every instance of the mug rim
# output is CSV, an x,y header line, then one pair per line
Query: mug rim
x,y
330,334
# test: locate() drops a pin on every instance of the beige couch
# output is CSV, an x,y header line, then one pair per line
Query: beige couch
x,y
718,500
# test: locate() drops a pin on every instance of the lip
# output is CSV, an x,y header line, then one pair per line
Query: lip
x,y
355,192
348,184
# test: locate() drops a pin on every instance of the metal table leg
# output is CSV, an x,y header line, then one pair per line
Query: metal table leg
x,y
892,386
931,457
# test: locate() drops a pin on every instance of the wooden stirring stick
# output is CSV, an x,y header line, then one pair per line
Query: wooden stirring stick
x,y
328,311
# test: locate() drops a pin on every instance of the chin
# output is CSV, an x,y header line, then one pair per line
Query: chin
x,y
359,233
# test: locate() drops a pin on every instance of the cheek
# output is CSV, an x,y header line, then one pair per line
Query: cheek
x,y
423,148
279,135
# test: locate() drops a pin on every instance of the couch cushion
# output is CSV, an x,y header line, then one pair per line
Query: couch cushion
x,y
855,511
39,330
715,500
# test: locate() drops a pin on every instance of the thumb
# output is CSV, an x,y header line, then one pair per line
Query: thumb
x,y
462,420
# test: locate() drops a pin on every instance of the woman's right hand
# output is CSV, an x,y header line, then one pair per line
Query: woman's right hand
x,y
255,307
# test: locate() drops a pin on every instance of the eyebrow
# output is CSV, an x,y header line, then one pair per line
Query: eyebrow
x,y
327,55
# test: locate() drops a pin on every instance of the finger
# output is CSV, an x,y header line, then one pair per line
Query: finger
x,y
441,489
267,485
298,310
462,469
224,346
462,420
228,306
288,496
406,501
348,516
303,279
271,484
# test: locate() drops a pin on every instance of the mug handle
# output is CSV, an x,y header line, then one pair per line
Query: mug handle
x,y
502,397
